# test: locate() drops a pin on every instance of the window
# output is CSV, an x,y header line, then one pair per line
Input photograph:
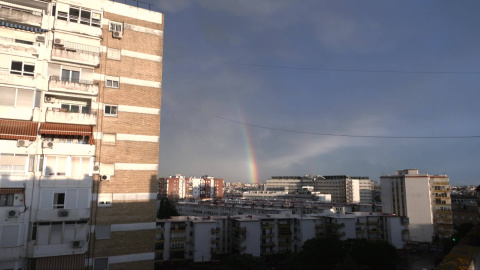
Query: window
x,y
75,108
13,164
58,200
70,76
111,110
100,264
112,82
81,15
102,231
115,26
114,54
6,199
105,199
21,68
17,97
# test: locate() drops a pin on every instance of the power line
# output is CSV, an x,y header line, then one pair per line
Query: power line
x,y
332,69
349,135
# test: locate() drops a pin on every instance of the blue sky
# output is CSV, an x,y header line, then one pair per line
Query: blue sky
x,y
266,63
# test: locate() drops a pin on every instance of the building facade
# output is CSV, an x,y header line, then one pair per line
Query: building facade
x,y
423,198
181,187
79,130
204,239
346,189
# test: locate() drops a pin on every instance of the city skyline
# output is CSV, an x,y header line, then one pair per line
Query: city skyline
x,y
344,67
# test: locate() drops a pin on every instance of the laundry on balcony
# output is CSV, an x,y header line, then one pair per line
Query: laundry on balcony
x,y
18,130
67,129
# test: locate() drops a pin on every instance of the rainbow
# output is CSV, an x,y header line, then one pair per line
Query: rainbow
x,y
252,163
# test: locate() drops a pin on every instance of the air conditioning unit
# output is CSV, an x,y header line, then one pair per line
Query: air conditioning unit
x,y
47,145
12,213
78,244
96,168
58,42
23,143
117,34
49,99
63,213
105,177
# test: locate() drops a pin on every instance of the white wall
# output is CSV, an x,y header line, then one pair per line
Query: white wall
x,y
419,210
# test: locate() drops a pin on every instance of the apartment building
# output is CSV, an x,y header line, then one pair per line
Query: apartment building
x,y
423,198
79,130
346,189
268,207
204,239
289,184
181,187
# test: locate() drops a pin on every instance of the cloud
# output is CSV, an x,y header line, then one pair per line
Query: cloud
x,y
172,6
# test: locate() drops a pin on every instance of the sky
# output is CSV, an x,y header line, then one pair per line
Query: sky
x,y
249,85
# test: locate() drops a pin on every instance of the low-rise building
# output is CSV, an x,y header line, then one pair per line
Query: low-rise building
x,y
205,239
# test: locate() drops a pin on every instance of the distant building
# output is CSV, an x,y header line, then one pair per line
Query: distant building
x,y
205,239
181,187
289,184
423,198
346,189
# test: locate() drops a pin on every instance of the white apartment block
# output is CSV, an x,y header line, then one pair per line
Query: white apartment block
x,y
346,189
251,207
423,198
289,184
73,194
203,239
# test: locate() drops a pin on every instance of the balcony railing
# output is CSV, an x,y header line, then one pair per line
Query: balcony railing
x,y
87,87
72,80
23,16
57,115
12,170
77,53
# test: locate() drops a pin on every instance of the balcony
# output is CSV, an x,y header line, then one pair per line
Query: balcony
x,y
78,28
268,235
270,244
14,79
77,53
240,229
267,226
178,239
22,16
73,214
217,230
17,113
56,115
83,87
56,250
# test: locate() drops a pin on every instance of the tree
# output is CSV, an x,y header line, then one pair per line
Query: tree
x,y
166,209
242,262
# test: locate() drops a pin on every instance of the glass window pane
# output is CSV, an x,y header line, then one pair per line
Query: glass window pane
x,y
66,107
85,166
85,109
75,167
115,84
65,75
86,14
3,199
25,98
29,68
107,109
114,109
16,66
62,165
75,76
74,108
8,96
109,83
9,199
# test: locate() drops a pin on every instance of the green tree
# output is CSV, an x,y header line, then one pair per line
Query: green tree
x,y
242,262
166,209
